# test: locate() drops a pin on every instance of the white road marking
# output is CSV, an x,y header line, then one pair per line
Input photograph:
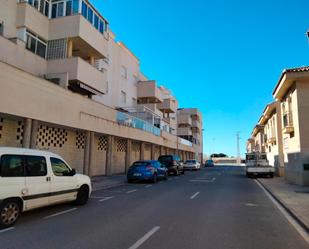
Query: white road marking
x,y
131,191
142,240
6,230
203,180
60,213
96,197
292,221
251,205
106,198
193,196
148,186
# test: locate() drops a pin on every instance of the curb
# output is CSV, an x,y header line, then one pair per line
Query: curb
x,y
109,186
295,217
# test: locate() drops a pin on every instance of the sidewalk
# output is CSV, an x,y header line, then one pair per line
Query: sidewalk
x,y
293,197
106,182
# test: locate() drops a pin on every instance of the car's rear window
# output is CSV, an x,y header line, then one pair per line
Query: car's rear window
x,y
141,164
165,158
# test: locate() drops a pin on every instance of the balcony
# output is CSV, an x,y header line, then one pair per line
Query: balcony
x,y
81,32
131,121
82,76
184,119
196,123
183,131
148,92
288,126
271,140
195,130
168,106
30,17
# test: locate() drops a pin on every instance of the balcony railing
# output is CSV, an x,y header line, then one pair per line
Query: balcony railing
x,y
288,126
128,120
287,119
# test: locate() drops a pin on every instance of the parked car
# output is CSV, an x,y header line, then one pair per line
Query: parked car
x,y
31,179
192,164
173,163
209,163
149,170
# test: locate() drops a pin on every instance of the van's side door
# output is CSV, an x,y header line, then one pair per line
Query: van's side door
x,y
12,176
64,185
37,181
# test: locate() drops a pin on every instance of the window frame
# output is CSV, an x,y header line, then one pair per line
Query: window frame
x,y
37,39
25,158
68,167
23,165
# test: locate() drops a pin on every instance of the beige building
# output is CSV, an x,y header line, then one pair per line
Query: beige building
x,y
292,91
190,127
67,86
271,120
257,141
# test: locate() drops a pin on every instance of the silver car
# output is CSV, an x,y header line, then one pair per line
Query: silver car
x,y
192,164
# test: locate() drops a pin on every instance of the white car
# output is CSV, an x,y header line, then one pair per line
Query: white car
x,y
192,164
31,179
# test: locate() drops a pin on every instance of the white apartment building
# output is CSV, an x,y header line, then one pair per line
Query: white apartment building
x,y
67,86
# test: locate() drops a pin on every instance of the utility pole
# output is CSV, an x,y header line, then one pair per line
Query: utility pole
x,y
238,148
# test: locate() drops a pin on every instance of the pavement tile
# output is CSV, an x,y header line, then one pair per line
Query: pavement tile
x,y
294,197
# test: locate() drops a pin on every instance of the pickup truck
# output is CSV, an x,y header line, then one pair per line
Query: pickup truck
x,y
257,164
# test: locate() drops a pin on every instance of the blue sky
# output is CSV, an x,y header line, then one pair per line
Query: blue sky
x,y
223,57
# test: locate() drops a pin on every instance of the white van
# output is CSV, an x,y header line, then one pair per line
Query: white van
x,y
32,178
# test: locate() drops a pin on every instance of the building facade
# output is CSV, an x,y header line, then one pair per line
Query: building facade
x,y
292,91
67,86
190,127
285,124
271,120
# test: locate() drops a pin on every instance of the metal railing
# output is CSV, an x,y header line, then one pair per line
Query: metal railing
x,y
185,142
287,119
128,120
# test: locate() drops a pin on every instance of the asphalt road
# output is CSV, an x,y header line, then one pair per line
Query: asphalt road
x,y
215,208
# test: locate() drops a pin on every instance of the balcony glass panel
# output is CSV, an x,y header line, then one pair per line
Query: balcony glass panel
x,y
128,120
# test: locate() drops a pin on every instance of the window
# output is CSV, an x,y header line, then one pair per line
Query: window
x,y
59,167
46,10
96,22
35,44
75,6
35,166
84,9
1,28
12,166
101,28
68,8
54,11
60,9
90,15
123,97
124,72
41,49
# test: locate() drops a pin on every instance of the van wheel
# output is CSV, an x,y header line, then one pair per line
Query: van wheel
x,y
82,195
9,212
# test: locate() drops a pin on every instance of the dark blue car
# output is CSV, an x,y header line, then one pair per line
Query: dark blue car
x,y
149,170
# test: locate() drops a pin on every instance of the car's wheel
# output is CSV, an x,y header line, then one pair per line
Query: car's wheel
x,y
166,177
176,172
9,212
271,175
82,195
155,178
183,171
